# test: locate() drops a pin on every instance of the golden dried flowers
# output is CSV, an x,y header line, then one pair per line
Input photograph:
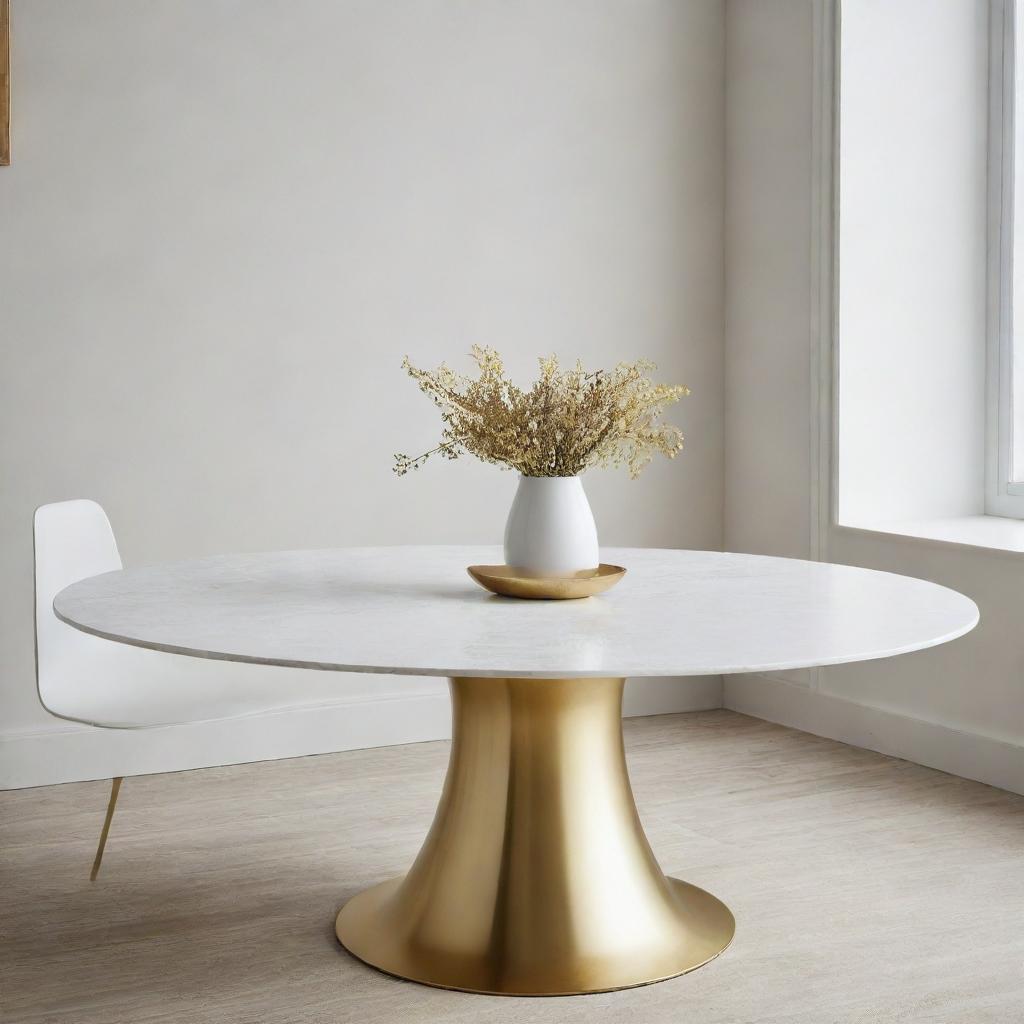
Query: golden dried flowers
x,y
566,422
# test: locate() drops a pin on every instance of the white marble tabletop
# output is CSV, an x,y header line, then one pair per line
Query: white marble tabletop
x,y
414,611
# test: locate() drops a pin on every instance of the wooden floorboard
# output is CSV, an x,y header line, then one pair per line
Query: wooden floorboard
x,y
867,890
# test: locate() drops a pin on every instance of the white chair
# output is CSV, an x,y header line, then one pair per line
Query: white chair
x,y
115,686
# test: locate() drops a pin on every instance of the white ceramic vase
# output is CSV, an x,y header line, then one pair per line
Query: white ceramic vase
x,y
550,529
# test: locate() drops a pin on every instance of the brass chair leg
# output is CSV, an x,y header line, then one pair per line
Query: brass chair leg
x,y
115,788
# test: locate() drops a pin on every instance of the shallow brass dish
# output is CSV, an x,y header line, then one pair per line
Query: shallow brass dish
x,y
510,582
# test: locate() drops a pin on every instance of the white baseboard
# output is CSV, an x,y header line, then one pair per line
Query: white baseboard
x,y
967,754
65,752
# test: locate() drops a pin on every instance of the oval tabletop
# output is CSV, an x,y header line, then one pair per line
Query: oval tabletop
x,y
415,611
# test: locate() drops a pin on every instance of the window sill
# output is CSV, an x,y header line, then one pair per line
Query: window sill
x,y
992,533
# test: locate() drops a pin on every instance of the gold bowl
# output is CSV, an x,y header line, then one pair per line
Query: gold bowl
x,y
512,582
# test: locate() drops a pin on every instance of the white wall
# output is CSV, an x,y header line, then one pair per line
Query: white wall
x,y
225,222
958,707
767,376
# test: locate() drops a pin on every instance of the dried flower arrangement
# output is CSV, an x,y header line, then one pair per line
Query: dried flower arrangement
x,y
566,422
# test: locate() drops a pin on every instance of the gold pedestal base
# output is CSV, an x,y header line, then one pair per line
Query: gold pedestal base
x,y
536,877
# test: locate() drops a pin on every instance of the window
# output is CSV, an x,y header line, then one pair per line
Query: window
x,y
912,279
928,434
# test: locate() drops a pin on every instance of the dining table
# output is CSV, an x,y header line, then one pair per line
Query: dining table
x,y
536,877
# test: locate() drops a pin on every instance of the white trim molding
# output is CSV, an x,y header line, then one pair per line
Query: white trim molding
x,y
1003,495
970,755
74,753
824,258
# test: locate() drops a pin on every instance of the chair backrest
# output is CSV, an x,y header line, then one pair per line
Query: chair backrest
x,y
72,540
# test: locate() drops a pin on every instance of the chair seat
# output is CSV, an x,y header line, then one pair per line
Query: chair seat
x,y
123,687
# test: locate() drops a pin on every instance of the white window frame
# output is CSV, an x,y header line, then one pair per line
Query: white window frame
x,y
1003,495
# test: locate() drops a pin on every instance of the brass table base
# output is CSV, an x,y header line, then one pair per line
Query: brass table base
x,y
536,877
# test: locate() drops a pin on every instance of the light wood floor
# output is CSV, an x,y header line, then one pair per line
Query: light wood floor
x,y
866,889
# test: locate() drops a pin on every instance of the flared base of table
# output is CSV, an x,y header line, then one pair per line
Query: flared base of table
x,y
536,877
366,929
